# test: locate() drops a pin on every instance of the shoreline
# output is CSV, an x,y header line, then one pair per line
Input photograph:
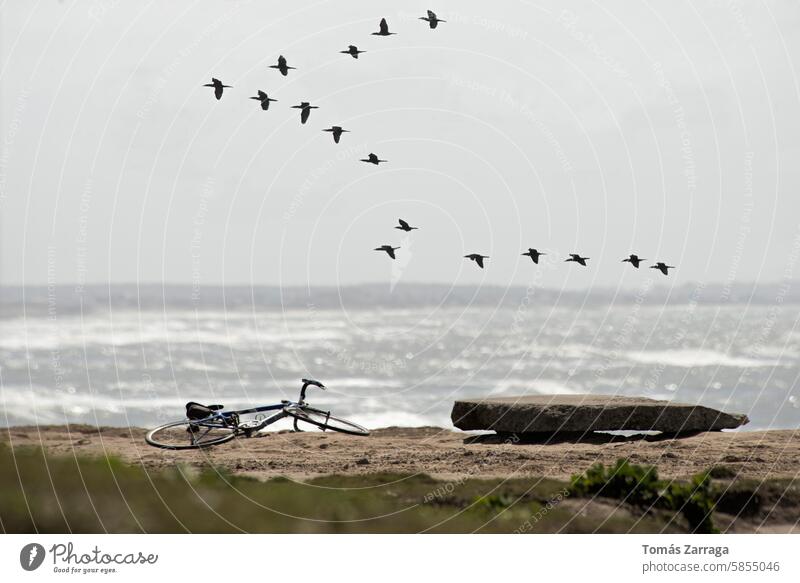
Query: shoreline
x,y
440,453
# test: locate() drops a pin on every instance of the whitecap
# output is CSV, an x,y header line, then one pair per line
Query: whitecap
x,y
691,358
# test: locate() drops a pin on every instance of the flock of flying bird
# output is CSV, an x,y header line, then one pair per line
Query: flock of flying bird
x,y
336,131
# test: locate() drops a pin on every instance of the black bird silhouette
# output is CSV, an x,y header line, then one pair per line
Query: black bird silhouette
x,y
353,51
337,132
662,267
282,66
433,21
384,29
389,249
264,99
577,259
305,110
218,86
373,159
404,226
534,254
477,258
634,260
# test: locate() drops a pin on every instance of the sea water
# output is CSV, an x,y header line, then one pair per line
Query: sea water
x,y
134,358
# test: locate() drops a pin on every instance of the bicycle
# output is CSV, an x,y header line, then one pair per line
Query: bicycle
x,y
208,425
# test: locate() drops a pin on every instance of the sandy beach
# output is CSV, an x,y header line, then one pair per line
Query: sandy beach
x,y
438,452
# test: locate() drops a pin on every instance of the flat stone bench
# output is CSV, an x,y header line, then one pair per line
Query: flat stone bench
x,y
553,414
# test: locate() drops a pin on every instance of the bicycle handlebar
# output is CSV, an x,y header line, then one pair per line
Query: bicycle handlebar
x,y
309,383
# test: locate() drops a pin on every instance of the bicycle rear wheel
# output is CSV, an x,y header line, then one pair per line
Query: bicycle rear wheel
x,y
325,421
189,435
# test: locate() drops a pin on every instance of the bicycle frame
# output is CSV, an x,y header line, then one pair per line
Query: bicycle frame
x,y
213,421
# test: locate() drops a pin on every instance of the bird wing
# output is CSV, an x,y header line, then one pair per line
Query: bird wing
x,y
479,261
304,113
384,26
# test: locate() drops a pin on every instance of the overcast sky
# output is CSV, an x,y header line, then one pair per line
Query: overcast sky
x,y
669,129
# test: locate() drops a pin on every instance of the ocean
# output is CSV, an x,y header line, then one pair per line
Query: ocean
x,y
133,355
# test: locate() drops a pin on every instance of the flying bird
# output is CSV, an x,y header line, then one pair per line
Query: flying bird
x,y
384,29
634,260
218,86
264,99
662,267
282,66
389,250
373,159
337,132
477,258
534,254
305,110
433,21
577,259
404,226
353,51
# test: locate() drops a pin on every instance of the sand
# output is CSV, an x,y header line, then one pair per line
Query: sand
x,y
438,452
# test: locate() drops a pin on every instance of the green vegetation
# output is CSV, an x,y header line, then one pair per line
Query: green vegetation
x,y
641,487
54,494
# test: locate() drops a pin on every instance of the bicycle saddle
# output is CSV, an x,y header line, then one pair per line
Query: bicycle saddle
x,y
199,411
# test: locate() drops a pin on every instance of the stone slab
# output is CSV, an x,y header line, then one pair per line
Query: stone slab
x,y
581,413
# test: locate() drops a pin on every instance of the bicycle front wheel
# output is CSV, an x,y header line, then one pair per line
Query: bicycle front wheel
x,y
189,435
325,421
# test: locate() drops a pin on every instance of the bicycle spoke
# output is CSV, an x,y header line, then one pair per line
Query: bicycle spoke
x,y
174,435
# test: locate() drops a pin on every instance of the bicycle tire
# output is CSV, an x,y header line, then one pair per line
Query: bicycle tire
x,y
170,436
325,421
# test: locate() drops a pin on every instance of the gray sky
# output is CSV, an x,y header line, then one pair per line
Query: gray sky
x,y
670,129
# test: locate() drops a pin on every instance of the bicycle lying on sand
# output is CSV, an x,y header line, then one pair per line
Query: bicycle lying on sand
x,y
207,425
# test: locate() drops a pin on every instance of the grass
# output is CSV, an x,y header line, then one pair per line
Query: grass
x,y
57,494
641,487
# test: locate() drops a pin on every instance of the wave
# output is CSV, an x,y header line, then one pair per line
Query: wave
x,y
695,358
